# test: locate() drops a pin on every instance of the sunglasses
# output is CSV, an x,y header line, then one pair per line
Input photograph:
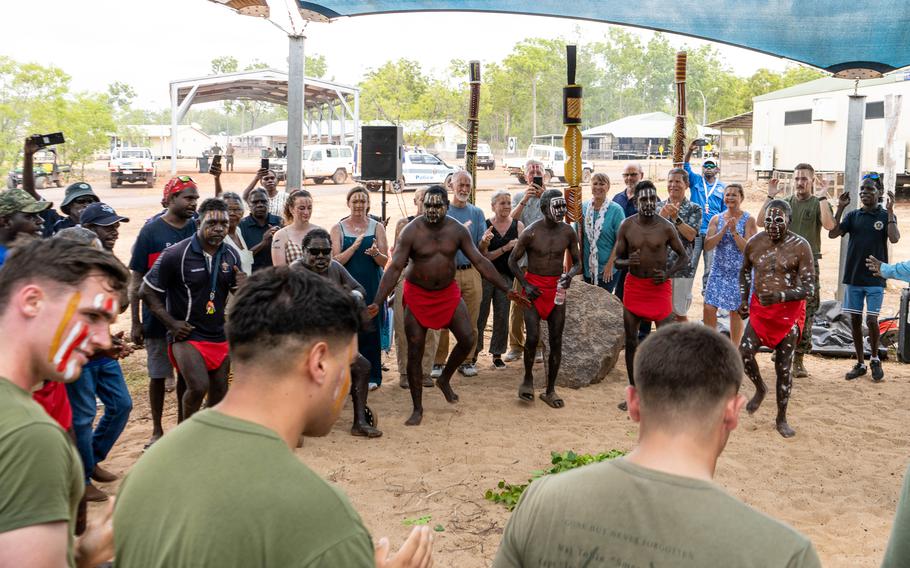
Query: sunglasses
x,y
872,175
185,179
319,251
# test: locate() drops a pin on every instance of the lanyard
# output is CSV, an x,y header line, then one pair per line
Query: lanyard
x,y
708,194
216,261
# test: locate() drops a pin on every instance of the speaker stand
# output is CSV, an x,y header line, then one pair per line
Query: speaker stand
x,y
385,220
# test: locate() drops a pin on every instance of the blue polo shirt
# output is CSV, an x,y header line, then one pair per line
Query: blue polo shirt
x,y
253,232
628,205
709,197
154,237
477,229
868,236
184,274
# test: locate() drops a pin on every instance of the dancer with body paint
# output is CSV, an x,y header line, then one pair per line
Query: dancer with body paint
x,y
431,297
195,277
778,263
546,242
642,246
58,299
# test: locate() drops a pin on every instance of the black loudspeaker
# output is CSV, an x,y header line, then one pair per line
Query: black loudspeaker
x,y
380,152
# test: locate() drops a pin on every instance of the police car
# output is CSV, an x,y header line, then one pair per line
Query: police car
x,y
420,168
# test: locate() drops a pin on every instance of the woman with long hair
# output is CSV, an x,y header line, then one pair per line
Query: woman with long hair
x,y
287,243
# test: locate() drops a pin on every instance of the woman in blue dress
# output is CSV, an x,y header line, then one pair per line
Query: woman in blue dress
x,y
359,243
728,232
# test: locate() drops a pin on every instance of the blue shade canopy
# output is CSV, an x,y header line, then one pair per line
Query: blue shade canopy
x,y
834,35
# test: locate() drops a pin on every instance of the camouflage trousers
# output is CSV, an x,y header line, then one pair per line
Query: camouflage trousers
x,y
805,342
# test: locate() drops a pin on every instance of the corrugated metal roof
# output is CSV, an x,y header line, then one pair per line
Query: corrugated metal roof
x,y
648,125
829,85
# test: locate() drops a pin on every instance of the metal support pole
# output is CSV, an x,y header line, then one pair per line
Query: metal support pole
x,y
173,130
856,113
331,126
321,120
295,111
357,131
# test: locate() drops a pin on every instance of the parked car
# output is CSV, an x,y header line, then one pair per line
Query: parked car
x,y
45,168
554,164
132,165
320,162
485,157
420,168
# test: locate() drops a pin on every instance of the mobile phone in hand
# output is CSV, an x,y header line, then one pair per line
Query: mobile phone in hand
x,y
44,140
537,180
216,160
700,142
264,164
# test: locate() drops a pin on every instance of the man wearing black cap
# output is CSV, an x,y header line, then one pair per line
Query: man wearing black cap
x,y
708,193
101,377
20,214
101,219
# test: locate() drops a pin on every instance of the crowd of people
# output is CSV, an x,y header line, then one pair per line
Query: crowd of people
x,y
215,294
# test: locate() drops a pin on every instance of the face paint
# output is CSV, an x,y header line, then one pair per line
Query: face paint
x,y
434,208
343,386
647,202
64,321
776,224
558,208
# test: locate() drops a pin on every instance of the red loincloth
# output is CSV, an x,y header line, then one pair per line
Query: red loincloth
x,y
213,353
647,300
432,308
53,398
547,286
773,323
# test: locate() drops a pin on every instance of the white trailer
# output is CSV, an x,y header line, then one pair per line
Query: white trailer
x,y
808,123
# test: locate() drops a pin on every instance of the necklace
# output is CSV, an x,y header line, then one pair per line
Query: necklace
x,y
592,232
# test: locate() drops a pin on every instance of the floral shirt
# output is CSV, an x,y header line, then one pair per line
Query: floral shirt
x,y
690,213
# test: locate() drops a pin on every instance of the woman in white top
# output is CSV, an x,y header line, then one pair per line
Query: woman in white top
x,y
234,236
287,244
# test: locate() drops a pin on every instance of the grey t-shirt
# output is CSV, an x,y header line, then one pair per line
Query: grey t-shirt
x,y
617,513
529,214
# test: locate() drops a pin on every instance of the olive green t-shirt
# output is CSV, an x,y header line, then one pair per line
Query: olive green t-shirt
x,y
221,491
40,470
898,553
806,221
617,513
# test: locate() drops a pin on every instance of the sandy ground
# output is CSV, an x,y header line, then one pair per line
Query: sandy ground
x,y
837,481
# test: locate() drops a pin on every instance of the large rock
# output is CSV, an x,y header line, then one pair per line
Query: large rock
x,y
592,339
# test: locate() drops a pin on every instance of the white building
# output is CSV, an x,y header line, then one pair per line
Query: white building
x,y
191,141
808,123
635,136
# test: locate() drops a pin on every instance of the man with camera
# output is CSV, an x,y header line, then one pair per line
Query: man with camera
x,y
269,181
708,193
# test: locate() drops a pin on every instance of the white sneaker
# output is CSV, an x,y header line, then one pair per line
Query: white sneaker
x,y
436,372
373,386
513,355
468,370
539,357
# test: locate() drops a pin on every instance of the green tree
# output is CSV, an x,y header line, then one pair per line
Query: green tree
x,y
89,121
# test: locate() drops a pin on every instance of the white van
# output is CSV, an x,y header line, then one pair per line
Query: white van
x,y
320,161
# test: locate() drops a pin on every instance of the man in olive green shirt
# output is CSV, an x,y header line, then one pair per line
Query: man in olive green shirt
x,y
57,301
658,506
811,213
897,555
236,494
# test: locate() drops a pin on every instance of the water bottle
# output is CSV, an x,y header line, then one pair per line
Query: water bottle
x,y
560,297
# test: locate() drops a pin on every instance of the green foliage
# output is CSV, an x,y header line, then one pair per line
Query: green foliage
x,y
509,494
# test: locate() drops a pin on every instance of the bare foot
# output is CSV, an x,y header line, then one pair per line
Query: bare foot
x,y
785,429
447,391
552,399
526,392
756,401
365,430
415,418
623,406
152,440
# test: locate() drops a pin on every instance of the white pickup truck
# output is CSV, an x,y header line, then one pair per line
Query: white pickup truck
x,y
132,164
553,159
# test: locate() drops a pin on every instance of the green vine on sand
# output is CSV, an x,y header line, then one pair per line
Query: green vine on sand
x,y
508,494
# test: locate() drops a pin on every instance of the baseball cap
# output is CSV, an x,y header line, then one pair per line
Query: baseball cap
x,y
18,200
101,214
74,190
177,184
709,164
